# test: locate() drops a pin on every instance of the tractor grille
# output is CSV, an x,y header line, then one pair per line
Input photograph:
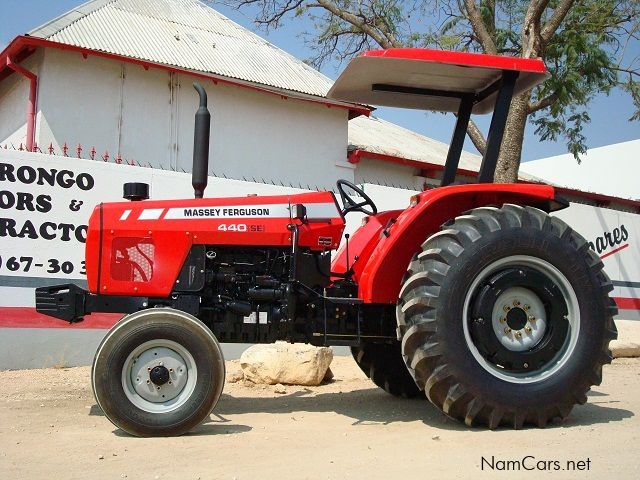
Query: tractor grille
x,y
132,259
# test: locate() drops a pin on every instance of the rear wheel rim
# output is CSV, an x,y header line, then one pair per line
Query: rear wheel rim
x,y
159,376
531,334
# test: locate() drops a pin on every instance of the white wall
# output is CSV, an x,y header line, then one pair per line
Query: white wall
x,y
147,116
611,170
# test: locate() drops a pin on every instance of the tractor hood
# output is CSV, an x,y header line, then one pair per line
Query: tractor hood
x,y
141,245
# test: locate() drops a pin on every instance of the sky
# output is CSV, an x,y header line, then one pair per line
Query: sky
x,y
609,114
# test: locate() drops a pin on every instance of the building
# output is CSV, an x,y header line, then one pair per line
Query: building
x,y
611,170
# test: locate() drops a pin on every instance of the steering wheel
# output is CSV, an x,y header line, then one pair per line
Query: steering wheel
x,y
349,204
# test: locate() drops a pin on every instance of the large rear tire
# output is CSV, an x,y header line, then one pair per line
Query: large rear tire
x,y
383,364
506,317
158,372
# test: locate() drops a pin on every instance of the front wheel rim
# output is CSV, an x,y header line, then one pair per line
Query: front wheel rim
x,y
529,337
159,376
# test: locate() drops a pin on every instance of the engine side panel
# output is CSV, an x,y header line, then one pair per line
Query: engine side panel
x,y
138,248
381,278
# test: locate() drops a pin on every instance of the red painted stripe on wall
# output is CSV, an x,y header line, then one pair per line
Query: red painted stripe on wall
x,y
27,317
602,257
627,303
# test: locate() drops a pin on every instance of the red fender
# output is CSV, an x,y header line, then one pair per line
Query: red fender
x,y
380,279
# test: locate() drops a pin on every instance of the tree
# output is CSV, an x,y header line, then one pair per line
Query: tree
x,y
584,43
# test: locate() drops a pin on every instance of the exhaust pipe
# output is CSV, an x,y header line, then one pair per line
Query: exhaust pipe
x,y
200,170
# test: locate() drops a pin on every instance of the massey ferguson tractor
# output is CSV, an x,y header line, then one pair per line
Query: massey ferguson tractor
x,y
473,295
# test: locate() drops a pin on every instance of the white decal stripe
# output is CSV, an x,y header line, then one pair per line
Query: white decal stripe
x,y
151,214
322,210
279,210
125,215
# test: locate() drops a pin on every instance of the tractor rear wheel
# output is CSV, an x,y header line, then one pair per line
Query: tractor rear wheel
x,y
383,364
158,372
506,317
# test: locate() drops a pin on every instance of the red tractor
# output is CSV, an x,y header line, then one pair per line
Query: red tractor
x,y
474,295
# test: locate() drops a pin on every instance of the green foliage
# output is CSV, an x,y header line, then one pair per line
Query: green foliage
x,y
581,59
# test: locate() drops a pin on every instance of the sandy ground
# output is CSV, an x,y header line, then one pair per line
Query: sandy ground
x,y
51,428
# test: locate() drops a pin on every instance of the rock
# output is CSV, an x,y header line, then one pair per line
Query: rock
x,y
622,348
328,376
100,457
279,388
235,377
286,363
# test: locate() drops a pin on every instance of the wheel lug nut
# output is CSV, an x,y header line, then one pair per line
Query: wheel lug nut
x,y
170,382
527,307
502,320
516,303
506,308
525,365
148,382
518,334
171,370
507,330
528,329
148,369
532,318
157,388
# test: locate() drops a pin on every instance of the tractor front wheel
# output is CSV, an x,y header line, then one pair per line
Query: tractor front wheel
x,y
506,317
158,372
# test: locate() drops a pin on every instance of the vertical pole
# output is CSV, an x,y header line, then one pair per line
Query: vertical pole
x,y
496,130
457,141
31,105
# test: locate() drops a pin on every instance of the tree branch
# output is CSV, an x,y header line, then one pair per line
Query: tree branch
x,y
558,16
359,22
531,40
542,103
479,28
476,136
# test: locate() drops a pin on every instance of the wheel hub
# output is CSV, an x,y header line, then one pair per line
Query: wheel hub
x,y
516,318
519,319
158,373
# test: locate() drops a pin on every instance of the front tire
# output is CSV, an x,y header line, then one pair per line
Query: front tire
x,y
158,372
506,317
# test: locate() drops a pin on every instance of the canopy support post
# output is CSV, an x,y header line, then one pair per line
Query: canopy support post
x,y
498,124
457,141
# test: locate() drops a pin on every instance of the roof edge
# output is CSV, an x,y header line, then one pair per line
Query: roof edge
x,y
66,19
22,42
599,199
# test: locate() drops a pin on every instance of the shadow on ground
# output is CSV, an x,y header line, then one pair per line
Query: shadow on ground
x,y
373,406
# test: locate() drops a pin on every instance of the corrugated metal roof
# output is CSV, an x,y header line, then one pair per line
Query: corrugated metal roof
x,y
186,34
375,135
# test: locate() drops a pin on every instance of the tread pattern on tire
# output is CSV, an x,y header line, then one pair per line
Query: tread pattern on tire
x,y
419,299
383,364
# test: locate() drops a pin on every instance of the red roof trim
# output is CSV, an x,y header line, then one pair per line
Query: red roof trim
x,y
21,42
356,155
466,59
601,198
